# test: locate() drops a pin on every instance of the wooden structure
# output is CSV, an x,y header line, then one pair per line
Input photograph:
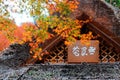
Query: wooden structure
x,y
108,48
105,24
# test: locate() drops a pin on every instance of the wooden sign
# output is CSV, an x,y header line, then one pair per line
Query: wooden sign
x,y
83,51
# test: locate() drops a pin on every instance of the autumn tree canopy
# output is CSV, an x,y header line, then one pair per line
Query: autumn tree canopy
x,y
48,14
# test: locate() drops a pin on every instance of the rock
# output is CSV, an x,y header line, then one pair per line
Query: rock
x,y
15,55
100,12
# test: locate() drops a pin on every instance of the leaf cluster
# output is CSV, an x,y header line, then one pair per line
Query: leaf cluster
x,y
59,21
114,2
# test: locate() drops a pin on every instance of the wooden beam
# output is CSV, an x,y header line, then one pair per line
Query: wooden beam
x,y
106,35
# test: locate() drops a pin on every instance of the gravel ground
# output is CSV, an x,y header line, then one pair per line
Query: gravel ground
x,y
108,71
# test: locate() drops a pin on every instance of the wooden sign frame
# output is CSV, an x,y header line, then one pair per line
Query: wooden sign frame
x,y
83,51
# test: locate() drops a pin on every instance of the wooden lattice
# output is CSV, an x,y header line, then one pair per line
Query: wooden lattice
x,y
58,54
107,52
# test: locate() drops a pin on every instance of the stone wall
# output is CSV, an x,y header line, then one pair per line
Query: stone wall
x,y
84,71
73,72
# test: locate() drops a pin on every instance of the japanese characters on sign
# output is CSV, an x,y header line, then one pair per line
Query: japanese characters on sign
x,y
81,52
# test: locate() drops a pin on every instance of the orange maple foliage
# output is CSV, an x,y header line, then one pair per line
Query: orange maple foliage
x,y
59,21
4,42
88,36
18,33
